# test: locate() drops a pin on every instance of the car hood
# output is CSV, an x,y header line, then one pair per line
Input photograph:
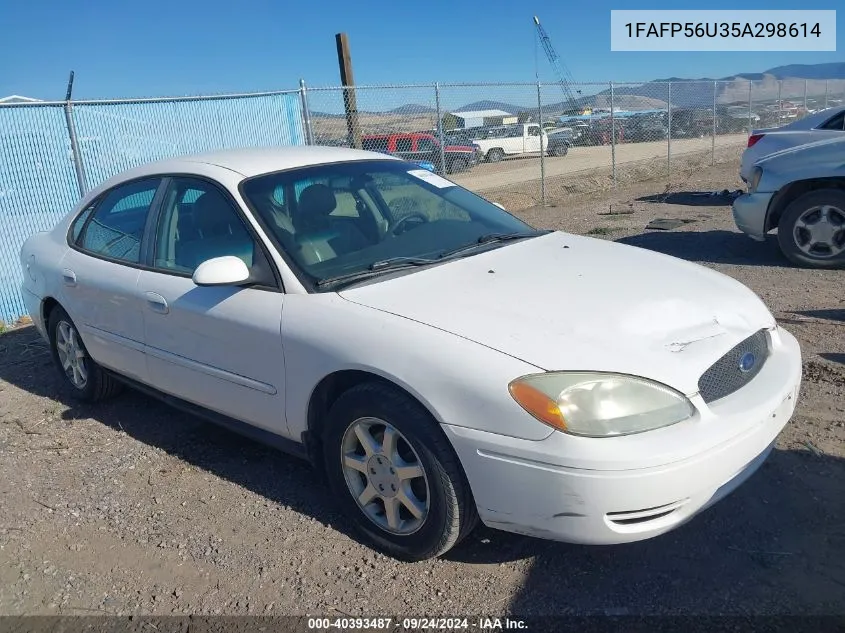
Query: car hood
x,y
565,302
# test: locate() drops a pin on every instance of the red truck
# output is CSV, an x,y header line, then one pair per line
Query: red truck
x,y
421,146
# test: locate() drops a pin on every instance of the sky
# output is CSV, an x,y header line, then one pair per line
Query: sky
x,y
190,47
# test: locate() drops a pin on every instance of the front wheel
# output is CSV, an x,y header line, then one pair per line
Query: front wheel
x,y
495,155
458,165
85,377
811,231
395,475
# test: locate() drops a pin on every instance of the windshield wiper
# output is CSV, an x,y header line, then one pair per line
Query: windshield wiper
x,y
378,268
401,263
491,238
412,261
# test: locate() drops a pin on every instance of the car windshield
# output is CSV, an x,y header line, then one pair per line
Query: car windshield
x,y
339,219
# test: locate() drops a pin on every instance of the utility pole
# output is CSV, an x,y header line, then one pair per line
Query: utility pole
x,y
344,60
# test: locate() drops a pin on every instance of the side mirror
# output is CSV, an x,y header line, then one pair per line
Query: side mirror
x,y
221,271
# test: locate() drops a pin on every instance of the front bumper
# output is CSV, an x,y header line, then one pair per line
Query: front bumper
x,y
749,211
524,487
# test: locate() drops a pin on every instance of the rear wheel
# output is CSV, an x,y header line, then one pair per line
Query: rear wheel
x,y
560,150
395,475
495,155
459,164
811,231
85,377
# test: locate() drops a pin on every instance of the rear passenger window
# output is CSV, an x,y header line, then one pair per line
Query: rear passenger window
x,y
403,145
117,226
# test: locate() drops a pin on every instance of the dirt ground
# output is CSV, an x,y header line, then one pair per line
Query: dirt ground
x,y
515,171
131,507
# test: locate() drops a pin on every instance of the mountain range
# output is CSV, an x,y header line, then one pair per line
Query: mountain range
x,y
831,70
785,82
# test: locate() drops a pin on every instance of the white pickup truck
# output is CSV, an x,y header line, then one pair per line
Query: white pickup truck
x,y
513,140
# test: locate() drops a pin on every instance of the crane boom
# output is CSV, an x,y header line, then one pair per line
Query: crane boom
x,y
563,75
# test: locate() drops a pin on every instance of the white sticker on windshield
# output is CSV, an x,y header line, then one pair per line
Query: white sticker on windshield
x,y
431,178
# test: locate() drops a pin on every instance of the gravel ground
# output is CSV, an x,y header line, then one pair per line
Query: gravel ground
x,y
131,507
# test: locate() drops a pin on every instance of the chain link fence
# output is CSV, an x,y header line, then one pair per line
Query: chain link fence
x,y
51,153
518,144
488,137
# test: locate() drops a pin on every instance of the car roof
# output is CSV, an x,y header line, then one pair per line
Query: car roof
x,y
246,162
258,160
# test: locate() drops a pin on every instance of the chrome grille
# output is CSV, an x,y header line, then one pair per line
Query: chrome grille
x,y
725,376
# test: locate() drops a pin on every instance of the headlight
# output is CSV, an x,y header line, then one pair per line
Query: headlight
x,y
756,174
598,404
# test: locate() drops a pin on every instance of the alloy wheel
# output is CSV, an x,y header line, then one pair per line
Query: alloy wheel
x,y
385,476
71,354
820,231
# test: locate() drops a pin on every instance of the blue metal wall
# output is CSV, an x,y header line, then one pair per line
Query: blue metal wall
x,y
37,180
37,187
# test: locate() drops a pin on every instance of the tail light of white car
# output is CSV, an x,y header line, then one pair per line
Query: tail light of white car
x,y
754,138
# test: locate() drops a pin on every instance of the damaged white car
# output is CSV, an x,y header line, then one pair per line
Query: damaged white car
x,y
440,360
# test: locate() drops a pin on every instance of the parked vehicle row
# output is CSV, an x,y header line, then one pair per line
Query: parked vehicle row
x,y
796,184
464,148
643,127
425,148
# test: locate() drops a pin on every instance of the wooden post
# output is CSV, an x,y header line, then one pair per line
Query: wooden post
x,y
344,60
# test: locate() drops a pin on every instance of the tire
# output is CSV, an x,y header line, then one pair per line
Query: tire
x,y
495,155
457,165
807,211
560,149
448,512
97,384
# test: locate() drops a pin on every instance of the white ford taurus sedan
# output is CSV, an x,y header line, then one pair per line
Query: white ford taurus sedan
x,y
438,359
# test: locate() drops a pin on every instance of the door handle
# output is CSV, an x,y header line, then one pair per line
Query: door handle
x,y
157,303
68,277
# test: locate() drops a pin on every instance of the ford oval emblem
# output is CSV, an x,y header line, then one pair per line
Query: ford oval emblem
x,y
747,361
